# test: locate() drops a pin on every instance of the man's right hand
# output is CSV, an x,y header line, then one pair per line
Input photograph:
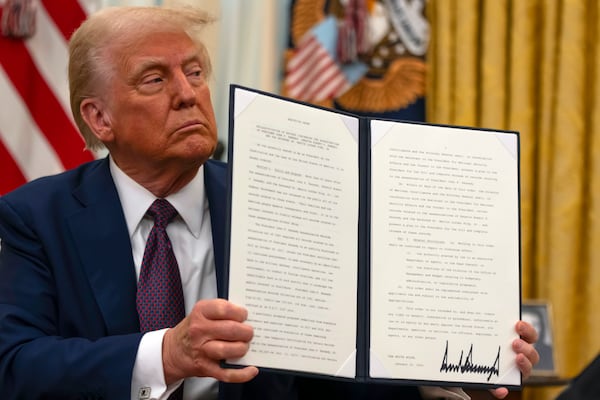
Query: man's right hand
x,y
214,331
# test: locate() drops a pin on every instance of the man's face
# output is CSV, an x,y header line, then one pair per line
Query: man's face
x,y
159,106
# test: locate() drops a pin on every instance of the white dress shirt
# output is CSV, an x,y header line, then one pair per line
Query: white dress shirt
x,y
191,236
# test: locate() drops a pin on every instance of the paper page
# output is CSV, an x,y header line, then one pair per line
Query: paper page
x,y
445,291
293,261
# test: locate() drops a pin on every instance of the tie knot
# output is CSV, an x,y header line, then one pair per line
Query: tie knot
x,y
162,211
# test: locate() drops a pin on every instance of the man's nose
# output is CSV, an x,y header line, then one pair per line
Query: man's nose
x,y
183,91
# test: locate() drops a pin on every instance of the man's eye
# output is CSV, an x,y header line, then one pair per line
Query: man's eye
x,y
195,73
153,79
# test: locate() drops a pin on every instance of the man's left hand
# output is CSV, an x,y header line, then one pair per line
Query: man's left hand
x,y
527,355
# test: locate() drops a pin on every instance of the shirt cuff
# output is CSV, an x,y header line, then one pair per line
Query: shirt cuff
x,y
148,379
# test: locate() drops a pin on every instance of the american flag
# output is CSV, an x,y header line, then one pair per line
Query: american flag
x,y
37,133
313,73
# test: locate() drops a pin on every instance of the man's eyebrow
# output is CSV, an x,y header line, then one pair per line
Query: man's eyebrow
x,y
149,63
193,57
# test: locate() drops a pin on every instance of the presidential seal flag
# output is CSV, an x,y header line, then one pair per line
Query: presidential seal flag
x,y
37,133
374,63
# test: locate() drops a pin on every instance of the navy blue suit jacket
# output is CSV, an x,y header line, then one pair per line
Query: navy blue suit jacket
x,y
68,321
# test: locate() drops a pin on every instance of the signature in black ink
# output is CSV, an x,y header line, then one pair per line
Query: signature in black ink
x,y
468,366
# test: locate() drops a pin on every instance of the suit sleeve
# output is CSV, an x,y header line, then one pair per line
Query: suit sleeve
x,y
52,341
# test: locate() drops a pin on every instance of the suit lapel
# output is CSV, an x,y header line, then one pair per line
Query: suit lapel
x,y
102,240
215,182
100,234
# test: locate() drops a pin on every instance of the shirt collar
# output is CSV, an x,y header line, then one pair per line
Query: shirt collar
x,y
135,199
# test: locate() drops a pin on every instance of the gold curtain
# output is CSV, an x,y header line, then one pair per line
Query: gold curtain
x,y
534,66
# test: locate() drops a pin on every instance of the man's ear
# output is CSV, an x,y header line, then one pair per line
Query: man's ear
x,y
97,118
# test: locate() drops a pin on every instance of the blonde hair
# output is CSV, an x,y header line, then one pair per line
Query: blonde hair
x,y
90,64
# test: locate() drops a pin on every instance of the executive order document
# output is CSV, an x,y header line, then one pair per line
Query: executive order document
x,y
442,239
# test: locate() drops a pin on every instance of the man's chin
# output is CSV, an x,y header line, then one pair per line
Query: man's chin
x,y
199,149
199,156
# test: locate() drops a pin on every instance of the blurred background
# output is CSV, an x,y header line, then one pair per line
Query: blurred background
x,y
532,66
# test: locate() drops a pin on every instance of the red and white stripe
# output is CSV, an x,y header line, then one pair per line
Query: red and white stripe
x,y
312,74
37,133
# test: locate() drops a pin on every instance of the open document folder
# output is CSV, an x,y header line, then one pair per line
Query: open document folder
x,y
373,250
